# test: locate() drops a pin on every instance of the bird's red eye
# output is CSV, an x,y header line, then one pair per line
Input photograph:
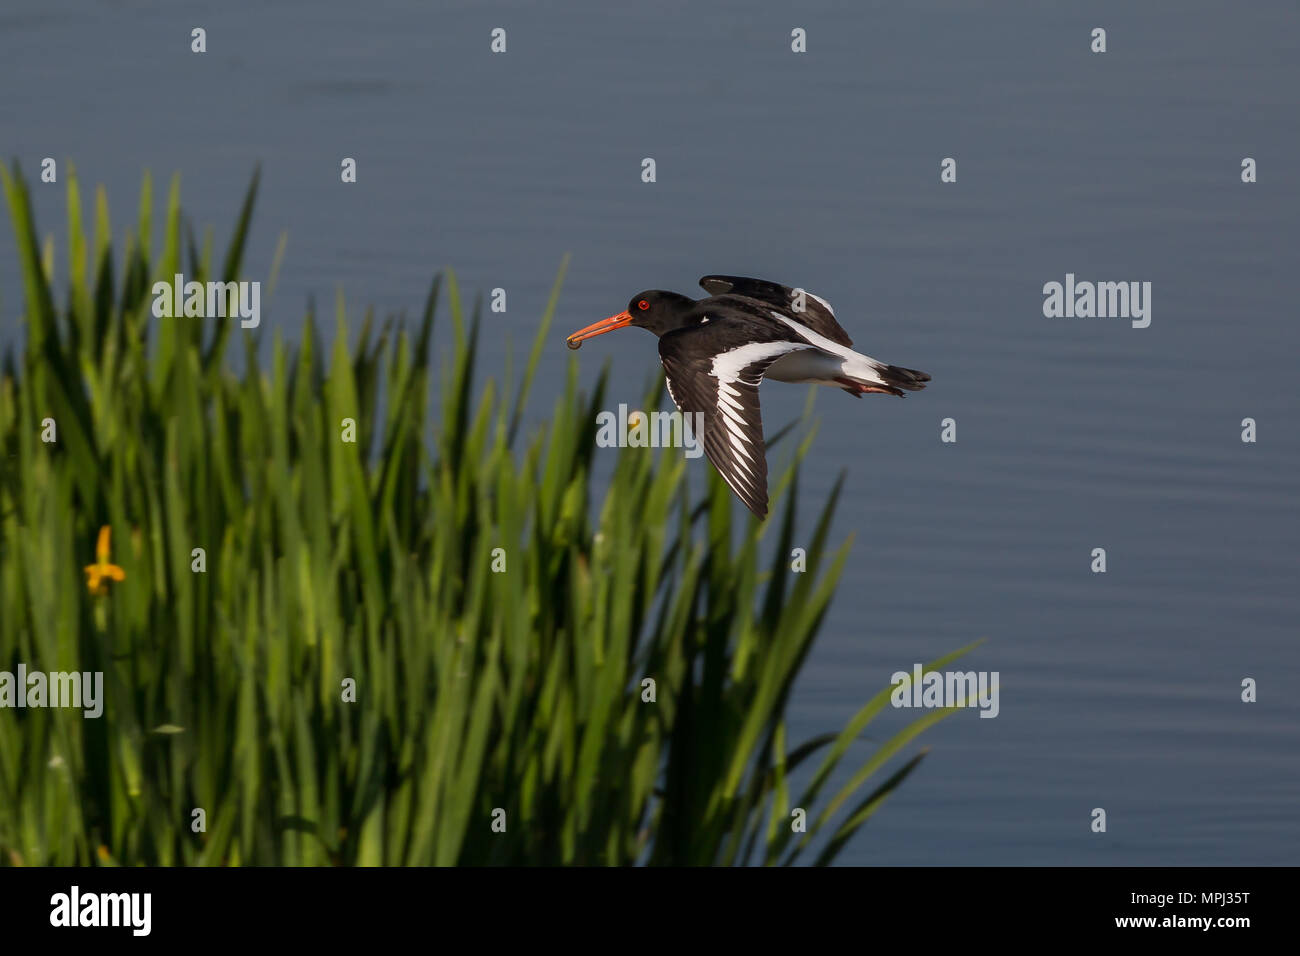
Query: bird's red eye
x,y
643,305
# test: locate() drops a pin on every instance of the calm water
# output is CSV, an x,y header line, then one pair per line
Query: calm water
x,y
822,170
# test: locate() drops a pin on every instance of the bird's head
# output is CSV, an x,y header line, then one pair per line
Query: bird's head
x,y
655,310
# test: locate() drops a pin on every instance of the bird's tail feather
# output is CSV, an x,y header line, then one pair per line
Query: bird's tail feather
x,y
884,379
899,377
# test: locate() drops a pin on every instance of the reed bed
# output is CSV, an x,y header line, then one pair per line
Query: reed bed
x,y
498,611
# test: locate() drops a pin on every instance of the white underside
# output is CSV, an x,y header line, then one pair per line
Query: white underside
x,y
817,367
824,362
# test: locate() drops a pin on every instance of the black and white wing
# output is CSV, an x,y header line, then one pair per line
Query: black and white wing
x,y
715,368
800,305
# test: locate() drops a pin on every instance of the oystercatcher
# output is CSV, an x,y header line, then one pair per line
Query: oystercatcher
x,y
717,350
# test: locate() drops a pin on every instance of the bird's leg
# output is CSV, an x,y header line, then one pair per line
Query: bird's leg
x,y
858,389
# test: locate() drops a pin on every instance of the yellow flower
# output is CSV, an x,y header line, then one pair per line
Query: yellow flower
x,y
101,572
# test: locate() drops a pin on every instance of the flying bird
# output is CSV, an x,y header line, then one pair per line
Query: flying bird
x,y
716,351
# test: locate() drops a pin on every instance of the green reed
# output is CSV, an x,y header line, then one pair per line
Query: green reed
x,y
476,690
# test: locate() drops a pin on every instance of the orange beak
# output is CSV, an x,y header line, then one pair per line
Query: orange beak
x,y
574,341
